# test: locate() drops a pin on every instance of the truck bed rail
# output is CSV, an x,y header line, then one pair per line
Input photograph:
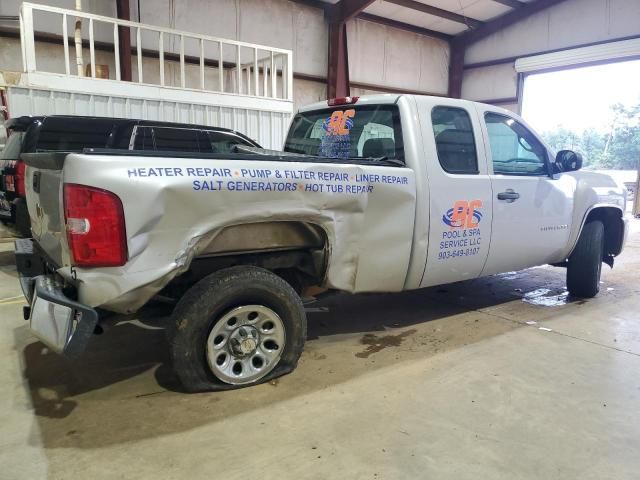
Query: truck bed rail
x,y
55,160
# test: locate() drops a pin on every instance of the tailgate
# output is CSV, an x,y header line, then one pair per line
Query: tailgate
x,y
43,182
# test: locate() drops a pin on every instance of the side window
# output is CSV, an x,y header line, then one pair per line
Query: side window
x,y
144,139
222,142
514,149
121,136
176,139
454,140
73,135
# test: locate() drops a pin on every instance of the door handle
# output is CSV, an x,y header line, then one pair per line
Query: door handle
x,y
509,195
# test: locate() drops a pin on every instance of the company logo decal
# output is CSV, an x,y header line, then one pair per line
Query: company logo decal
x,y
463,237
464,214
339,123
336,143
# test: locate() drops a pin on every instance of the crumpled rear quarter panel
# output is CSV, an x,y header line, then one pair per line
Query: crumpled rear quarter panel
x,y
368,221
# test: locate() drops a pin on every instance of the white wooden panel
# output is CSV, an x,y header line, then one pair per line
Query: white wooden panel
x,y
624,17
389,57
366,49
306,92
402,60
567,24
310,40
208,17
487,83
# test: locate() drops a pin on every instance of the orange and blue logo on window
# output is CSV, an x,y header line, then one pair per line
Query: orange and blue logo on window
x,y
339,123
464,214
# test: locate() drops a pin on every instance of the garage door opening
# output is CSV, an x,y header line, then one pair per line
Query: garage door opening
x,y
594,110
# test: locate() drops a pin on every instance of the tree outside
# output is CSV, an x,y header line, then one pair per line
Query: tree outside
x,y
615,147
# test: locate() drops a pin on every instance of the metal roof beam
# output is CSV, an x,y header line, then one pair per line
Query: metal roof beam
x,y
506,20
404,26
381,20
511,3
438,12
348,9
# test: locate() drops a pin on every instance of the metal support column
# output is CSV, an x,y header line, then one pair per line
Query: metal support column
x,y
456,68
124,40
338,68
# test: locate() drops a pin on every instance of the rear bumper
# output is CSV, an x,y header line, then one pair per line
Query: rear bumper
x,y
62,323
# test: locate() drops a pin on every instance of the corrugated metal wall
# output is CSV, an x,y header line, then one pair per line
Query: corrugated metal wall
x,y
267,128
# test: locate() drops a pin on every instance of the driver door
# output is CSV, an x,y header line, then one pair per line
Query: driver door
x,y
531,211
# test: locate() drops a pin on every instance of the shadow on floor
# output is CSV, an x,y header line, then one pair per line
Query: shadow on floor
x,y
123,387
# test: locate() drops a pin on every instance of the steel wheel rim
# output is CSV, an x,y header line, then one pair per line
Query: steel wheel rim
x,y
245,344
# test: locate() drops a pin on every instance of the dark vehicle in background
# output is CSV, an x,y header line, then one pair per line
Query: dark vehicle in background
x,y
75,133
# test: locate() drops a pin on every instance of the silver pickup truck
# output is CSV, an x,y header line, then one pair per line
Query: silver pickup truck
x,y
378,194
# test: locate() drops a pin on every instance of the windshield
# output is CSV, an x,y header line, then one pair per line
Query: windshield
x,y
11,150
367,131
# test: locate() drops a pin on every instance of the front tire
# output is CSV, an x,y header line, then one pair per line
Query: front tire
x,y
585,262
237,327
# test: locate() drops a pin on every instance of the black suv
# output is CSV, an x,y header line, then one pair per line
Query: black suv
x,y
75,133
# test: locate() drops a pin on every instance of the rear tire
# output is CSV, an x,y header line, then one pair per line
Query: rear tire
x,y
237,327
585,262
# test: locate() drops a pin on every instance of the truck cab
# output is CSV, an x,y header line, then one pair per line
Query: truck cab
x,y
491,196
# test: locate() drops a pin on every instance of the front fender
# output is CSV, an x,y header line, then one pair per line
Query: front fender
x,y
596,195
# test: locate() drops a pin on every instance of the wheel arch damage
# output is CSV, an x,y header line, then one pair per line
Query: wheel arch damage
x,y
365,219
279,246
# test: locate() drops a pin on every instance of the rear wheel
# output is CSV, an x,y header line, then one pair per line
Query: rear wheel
x,y
239,326
585,263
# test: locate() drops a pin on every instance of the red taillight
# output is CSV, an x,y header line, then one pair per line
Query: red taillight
x,y
332,102
10,179
95,226
19,179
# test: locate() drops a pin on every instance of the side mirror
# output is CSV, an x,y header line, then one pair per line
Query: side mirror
x,y
568,161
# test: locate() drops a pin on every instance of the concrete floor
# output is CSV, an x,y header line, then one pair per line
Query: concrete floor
x,y
503,377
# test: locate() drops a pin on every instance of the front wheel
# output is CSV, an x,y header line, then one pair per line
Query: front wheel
x,y
239,326
585,262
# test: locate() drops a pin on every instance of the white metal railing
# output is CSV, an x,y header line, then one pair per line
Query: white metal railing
x,y
269,73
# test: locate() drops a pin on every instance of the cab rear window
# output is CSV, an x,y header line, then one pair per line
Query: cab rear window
x,y
73,136
351,131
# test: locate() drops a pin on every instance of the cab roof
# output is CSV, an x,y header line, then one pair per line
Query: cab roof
x,y
384,98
